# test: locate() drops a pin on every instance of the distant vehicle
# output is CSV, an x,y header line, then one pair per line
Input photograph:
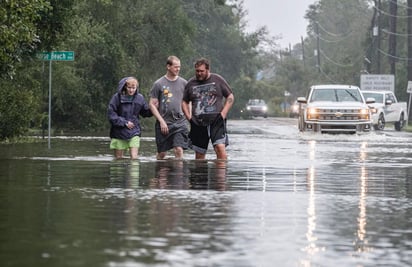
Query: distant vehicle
x,y
335,109
294,110
386,109
257,107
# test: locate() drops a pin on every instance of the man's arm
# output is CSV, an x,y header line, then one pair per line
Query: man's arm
x,y
230,99
154,105
186,108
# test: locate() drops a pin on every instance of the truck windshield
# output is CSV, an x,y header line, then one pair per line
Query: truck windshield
x,y
336,95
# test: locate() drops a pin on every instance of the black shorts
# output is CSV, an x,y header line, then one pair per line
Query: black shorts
x,y
215,132
177,137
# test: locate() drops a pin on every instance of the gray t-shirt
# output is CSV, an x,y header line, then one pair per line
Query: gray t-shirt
x,y
170,95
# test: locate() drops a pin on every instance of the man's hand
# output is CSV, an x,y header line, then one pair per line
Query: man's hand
x,y
163,127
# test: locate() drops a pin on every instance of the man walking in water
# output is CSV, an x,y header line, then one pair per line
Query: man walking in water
x,y
171,128
211,98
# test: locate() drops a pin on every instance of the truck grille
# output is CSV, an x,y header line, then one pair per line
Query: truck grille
x,y
338,115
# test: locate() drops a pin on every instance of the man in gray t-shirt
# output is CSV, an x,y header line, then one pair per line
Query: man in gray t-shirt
x,y
171,126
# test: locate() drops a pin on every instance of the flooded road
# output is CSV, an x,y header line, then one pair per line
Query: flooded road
x,y
282,199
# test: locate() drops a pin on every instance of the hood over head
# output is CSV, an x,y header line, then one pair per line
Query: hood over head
x,y
121,84
123,81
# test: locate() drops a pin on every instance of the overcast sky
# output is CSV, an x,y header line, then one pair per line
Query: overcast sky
x,y
281,17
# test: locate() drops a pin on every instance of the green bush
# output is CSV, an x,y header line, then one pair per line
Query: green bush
x,y
17,110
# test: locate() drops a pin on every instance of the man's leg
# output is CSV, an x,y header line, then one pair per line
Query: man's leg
x,y
161,155
199,155
178,152
220,150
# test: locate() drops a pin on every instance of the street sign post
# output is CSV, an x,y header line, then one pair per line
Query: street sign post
x,y
409,90
57,56
54,56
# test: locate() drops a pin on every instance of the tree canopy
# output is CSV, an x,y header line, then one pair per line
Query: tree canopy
x,y
112,39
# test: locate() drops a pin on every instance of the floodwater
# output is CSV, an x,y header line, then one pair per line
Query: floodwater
x,y
282,199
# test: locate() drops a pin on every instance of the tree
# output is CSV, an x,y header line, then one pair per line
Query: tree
x,y
112,39
19,34
16,108
342,28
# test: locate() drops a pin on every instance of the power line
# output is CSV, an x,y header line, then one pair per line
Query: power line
x,y
330,41
336,63
400,4
359,61
395,33
390,15
392,56
327,76
333,34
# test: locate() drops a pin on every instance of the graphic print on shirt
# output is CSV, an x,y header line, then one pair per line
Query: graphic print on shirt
x,y
206,96
166,98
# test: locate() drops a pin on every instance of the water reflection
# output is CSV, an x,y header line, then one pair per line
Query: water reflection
x,y
125,173
208,175
312,246
322,202
360,243
170,174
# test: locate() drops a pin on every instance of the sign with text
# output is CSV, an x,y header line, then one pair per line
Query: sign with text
x,y
57,56
377,82
54,56
409,88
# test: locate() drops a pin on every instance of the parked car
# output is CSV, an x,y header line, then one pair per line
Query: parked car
x,y
257,107
387,109
294,110
335,109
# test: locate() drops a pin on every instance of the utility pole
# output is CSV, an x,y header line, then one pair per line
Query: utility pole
x,y
409,29
378,54
393,10
371,53
317,47
303,49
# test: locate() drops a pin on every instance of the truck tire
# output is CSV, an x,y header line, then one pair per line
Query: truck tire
x,y
399,124
381,123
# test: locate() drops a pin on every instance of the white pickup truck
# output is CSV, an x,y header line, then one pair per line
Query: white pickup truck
x,y
334,108
387,109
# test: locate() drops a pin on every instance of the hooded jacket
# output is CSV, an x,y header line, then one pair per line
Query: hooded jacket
x,y
123,108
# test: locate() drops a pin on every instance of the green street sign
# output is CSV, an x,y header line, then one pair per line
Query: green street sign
x,y
57,56
54,56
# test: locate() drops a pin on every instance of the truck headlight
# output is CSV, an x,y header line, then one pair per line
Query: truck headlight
x,y
312,113
364,113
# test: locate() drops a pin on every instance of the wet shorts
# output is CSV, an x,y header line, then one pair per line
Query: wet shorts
x,y
177,137
215,132
120,144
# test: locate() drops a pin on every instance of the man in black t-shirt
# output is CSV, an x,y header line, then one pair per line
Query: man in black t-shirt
x,y
207,100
